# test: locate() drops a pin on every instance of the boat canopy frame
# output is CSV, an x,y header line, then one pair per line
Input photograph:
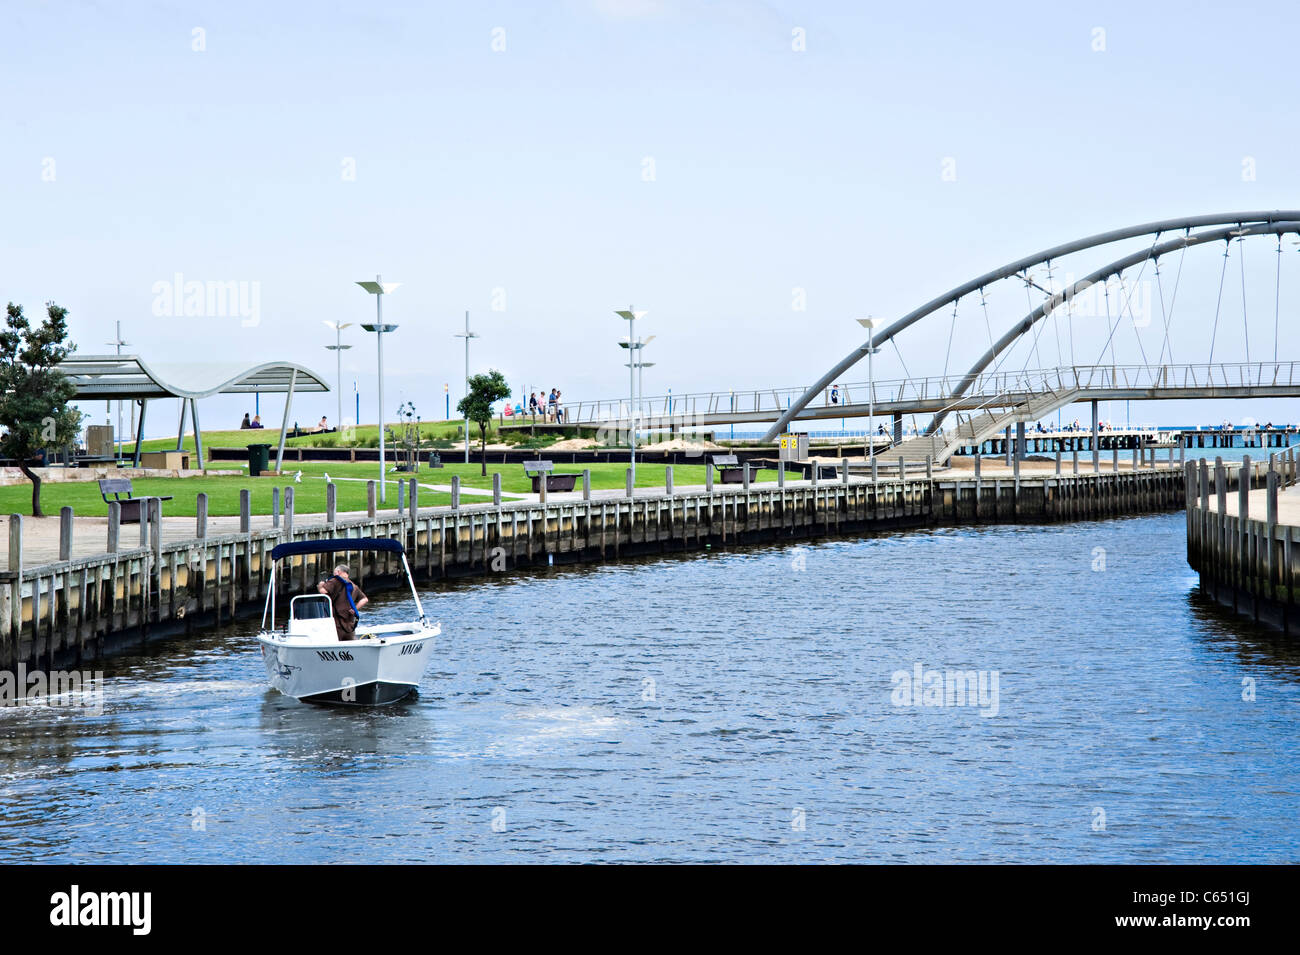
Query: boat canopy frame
x,y
336,545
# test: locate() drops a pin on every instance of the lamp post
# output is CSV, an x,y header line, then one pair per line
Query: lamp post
x,y
630,315
338,348
378,289
117,435
446,397
467,335
870,324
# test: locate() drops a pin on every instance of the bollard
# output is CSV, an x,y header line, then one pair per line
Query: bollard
x,y
668,480
708,478
1058,462
331,503
875,474
201,516
1271,513
155,522
455,491
144,522
413,502
245,511
780,475
1220,484
929,468
1114,458
1243,489
627,478
275,507
1137,457
401,497
844,470
813,471
65,533
496,488
744,473
114,527
1204,484
288,514
1075,465
371,501
586,484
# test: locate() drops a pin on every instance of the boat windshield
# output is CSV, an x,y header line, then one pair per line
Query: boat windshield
x,y
310,607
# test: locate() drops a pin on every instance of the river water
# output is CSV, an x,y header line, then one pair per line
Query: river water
x,y
728,707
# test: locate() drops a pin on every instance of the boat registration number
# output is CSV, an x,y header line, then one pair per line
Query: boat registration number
x,y
335,655
411,649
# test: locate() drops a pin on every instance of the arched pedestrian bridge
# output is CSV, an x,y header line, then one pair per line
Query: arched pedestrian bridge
x,y
992,395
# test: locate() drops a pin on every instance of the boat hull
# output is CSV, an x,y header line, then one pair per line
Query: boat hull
x,y
367,672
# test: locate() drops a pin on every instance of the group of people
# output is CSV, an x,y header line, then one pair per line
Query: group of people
x,y
548,406
255,423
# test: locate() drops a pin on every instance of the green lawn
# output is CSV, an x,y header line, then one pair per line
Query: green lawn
x,y
309,494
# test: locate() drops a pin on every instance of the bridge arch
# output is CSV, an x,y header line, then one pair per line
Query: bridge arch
x,y
1270,221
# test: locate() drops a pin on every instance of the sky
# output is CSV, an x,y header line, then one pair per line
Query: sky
x,y
753,175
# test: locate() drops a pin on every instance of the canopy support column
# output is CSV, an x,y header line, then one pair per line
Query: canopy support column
x,y
180,428
198,436
139,433
284,421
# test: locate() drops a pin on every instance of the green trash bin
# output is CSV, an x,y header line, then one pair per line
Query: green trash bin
x,y
259,458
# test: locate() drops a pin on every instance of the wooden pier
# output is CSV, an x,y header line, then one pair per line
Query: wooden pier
x,y
1243,536
77,609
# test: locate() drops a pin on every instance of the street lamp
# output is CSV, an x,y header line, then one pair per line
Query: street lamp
x,y
117,435
378,289
338,348
467,335
870,324
630,315
640,366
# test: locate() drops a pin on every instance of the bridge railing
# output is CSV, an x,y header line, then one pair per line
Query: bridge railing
x,y
989,384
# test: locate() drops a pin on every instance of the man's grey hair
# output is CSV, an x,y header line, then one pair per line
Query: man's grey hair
x,y
343,569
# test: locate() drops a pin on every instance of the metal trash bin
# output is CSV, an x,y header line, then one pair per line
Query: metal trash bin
x,y
259,458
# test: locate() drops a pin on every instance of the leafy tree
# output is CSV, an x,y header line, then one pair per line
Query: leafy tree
x,y
34,394
477,405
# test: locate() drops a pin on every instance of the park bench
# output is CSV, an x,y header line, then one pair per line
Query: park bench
x,y
537,470
130,513
730,470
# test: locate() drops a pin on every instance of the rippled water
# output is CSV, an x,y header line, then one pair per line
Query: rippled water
x,y
703,709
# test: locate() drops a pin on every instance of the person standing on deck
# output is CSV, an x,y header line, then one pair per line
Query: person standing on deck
x,y
346,599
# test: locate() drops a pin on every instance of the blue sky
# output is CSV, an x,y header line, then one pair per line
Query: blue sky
x,y
501,151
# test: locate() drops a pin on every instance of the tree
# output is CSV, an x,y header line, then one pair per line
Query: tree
x,y
34,394
477,405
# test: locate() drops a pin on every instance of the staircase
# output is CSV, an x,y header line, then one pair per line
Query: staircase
x,y
940,447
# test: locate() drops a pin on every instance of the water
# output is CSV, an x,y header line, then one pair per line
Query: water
x,y
1119,691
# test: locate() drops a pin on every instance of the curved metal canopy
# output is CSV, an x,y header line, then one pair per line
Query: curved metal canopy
x,y
126,377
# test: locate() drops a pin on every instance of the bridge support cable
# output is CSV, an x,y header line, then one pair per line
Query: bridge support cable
x,y
1218,302
1173,300
1277,296
1272,217
1245,321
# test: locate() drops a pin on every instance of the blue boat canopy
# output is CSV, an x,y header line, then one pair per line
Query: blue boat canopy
x,y
336,545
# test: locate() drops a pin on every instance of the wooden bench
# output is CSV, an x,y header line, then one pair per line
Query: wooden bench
x,y
554,482
130,513
730,470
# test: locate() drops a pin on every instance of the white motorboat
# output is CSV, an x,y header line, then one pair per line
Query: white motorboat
x,y
306,659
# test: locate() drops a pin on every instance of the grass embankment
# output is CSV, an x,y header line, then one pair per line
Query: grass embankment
x,y
309,494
